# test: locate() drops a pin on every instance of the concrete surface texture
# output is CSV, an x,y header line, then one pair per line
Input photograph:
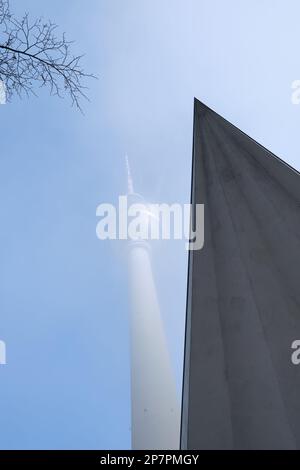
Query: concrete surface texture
x,y
241,389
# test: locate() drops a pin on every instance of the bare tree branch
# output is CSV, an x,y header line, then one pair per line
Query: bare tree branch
x,y
32,55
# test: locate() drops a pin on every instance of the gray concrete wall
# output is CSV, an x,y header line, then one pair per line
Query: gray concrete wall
x,y
241,390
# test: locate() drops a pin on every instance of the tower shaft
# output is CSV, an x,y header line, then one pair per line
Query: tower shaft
x,y
155,409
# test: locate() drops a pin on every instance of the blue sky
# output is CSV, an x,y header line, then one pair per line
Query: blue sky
x,y
63,293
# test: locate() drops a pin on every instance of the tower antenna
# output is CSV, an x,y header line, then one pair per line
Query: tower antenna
x,y
129,177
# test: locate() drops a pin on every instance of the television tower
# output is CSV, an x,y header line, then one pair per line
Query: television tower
x,y
154,403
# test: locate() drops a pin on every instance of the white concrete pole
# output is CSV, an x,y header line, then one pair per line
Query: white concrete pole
x,y
155,405
154,402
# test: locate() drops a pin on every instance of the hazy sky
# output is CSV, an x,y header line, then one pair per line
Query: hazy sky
x,y
63,293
